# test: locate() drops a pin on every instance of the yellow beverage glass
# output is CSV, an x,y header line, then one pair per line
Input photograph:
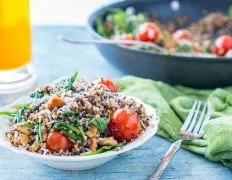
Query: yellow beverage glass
x,y
15,45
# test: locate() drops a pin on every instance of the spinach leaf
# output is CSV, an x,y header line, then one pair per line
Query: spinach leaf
x,y
20,106
71,115
70,130
184,48
28,124
83,134
71,80
100,123
39,127
99,151
100,27
7,113
230,12
19,116
18,113
37,94
113,10
120,21
103,149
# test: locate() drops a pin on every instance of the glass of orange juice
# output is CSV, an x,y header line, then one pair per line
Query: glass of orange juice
x,y
16,72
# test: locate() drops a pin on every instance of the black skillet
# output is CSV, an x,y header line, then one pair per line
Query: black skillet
x,y
197,72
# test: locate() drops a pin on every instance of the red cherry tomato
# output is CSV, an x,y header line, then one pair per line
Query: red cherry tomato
x,y
109,84
124,125
148,32
57,141
222,45
181,34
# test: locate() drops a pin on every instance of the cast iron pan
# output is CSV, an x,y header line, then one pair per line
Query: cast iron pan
x,y
189,71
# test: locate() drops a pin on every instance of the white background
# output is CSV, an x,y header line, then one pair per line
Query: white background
x,y
62,12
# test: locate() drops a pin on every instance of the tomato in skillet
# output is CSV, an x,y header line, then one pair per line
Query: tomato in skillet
x,y
124,125
148,32
109,84
57,141
222,45
181,34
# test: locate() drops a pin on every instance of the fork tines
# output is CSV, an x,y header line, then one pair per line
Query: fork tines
x,y
193,125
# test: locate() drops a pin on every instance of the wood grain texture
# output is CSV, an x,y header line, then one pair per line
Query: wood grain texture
x,y
52,59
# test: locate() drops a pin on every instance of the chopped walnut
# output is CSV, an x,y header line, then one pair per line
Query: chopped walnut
x,y
110,141
93,144
9,137
92,133
55,101
23,130
23,139
34,147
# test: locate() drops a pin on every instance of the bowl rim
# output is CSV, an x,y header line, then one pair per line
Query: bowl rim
x,y
149,132
111,4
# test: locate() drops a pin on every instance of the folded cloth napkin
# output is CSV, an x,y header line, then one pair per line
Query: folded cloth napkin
x,y
174,104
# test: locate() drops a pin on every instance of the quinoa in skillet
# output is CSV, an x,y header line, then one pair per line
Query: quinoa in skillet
x,y
76,117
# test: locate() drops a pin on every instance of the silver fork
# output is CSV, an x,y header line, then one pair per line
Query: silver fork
x,y
191,129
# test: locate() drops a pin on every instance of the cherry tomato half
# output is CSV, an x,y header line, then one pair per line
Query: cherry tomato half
x,y
148,32
222,45
124,125
57,141
109,84
181,34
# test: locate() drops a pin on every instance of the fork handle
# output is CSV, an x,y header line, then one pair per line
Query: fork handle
x,y
156,174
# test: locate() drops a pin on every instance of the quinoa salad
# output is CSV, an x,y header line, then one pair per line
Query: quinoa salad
x,y
76,117
210,36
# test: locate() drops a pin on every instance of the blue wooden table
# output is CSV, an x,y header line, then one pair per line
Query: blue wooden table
x,y
52,59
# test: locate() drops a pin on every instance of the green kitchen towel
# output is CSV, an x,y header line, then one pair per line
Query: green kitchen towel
x,y
174,104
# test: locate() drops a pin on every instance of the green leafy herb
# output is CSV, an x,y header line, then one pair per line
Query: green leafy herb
x,y
143,17
71,80
28,124
20,106
100,123
103,149
113,10
100,27
7,113
83,134
39,127
70,130
99,151
71,115
184,48
230,12
121,144
37,94
18,113
119,20
19,116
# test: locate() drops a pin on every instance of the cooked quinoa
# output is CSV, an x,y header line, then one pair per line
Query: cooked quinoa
x,y
74,107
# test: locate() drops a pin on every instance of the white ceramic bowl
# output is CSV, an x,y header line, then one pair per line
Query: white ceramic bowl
x,y
79,162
